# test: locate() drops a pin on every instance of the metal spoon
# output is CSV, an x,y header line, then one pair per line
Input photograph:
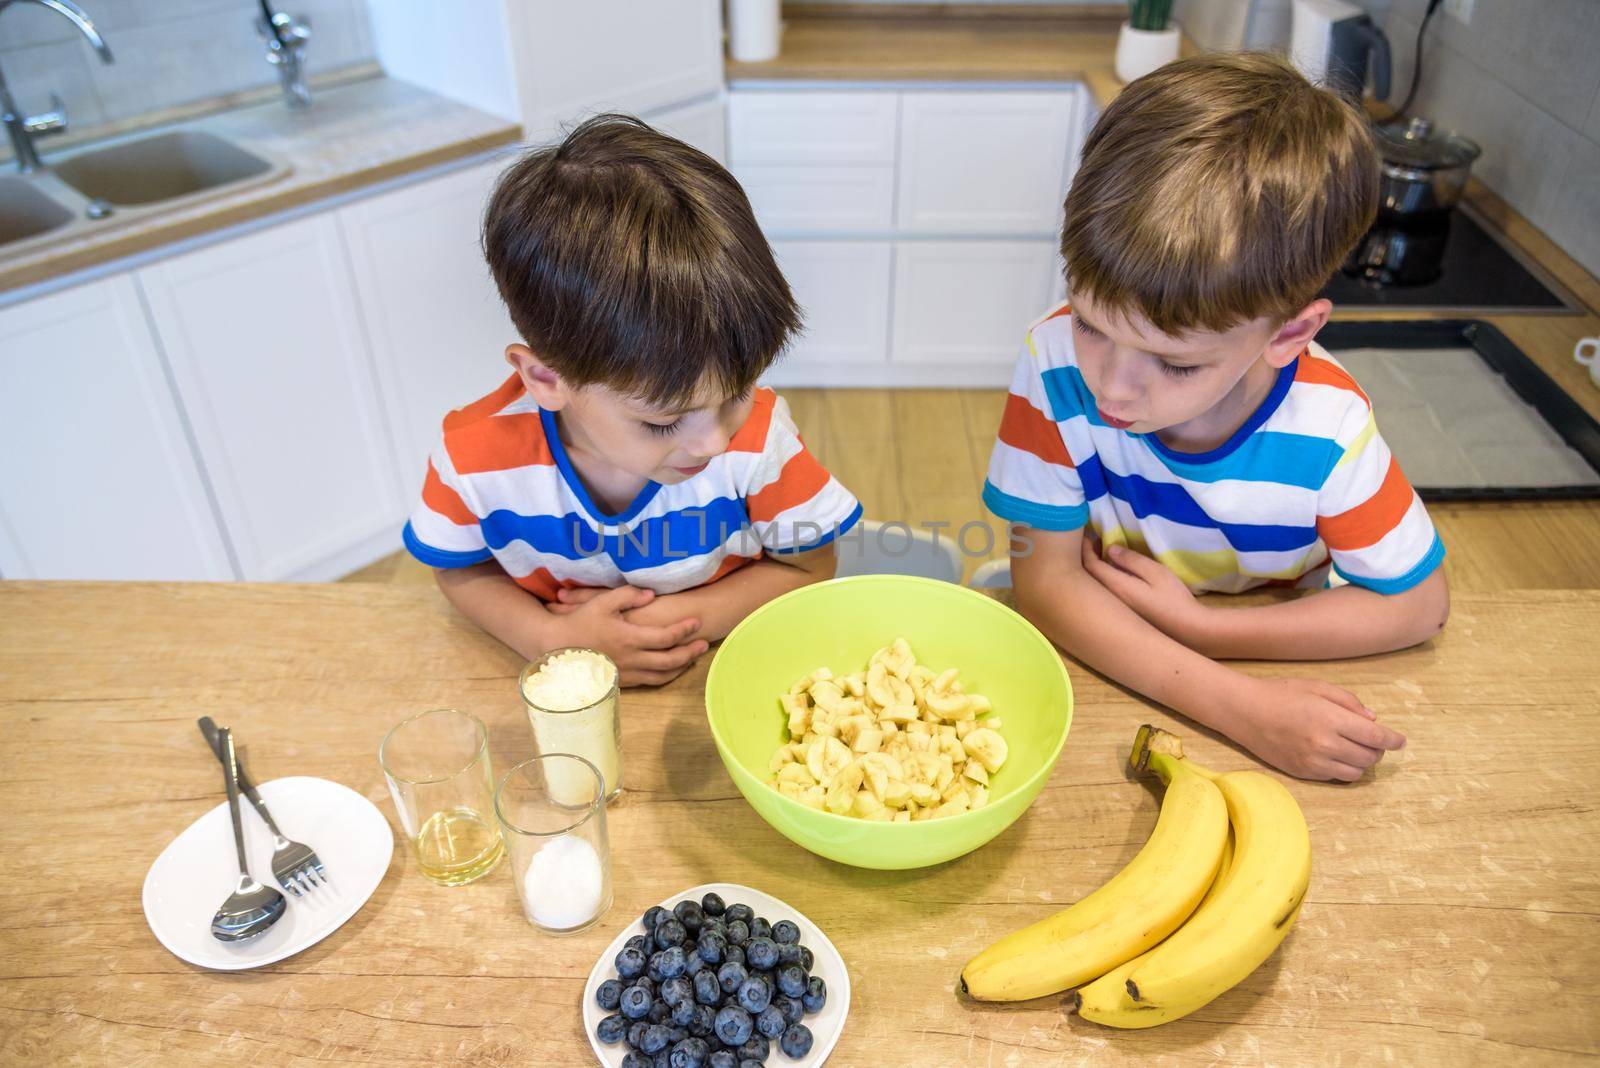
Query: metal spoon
x,y
251,908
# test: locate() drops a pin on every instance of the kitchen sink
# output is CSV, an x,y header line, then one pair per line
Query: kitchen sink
x,y
26,212
161,168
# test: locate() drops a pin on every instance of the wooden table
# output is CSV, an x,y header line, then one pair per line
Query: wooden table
x,y
1454,913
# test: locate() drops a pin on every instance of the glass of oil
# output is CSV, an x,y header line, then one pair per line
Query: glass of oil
x,y
437,764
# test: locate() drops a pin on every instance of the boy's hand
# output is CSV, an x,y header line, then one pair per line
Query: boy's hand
x,y
1149,588
1314,730
645,655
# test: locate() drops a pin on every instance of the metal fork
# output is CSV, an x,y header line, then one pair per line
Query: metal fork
x,y
294,864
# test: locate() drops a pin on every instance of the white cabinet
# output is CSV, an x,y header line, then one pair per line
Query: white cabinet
x,y
436,323
967,304
843,288
984,162
791,199
573,59
96,478
703,124
273,371
812,127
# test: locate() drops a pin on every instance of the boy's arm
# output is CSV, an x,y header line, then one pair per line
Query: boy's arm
x,y
1329,625
721,605
645,654
1307,728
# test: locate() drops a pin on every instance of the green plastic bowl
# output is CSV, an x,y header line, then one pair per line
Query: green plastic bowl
x,y
839,624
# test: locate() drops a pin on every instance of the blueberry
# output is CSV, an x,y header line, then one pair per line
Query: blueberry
x,y
816,994
630,962
696,965
609,994
712,904
678,1035
754,995
652,970
788,953
714,923
760,928
791,980
806,958
656,1038
723,1058
704,1017
674,962
793,1010
707,990
733,953
662,1060
740,912
690,914
770,1022
635,1059
733,1025
683,1013
652,916
635,1003
710,947
755,1048
645,983
660,1011
669,932
762,953
639,942
796,1041
738,932
731,975
745,1062
611,1029
690,1053
785,931
636,1032
677,990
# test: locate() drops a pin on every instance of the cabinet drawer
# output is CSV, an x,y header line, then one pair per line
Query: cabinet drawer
x,y
843,287
985,161
964,302
797,198
818,128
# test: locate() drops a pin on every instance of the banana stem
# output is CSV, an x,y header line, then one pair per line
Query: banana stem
x,y
1161,751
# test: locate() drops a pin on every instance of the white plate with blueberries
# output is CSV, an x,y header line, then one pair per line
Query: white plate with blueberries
x,y
727,977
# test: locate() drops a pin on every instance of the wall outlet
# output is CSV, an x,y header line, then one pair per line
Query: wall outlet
x,y
1460,10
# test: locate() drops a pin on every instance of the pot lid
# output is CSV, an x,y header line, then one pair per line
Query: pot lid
x,y
1417,144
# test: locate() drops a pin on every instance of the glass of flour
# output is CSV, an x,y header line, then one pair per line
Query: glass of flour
x,y
556,837
571,698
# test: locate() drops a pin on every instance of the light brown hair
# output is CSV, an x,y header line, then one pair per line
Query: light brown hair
x,y
1217,190
629,259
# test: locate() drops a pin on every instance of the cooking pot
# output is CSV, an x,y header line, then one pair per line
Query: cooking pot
x,y
1423,170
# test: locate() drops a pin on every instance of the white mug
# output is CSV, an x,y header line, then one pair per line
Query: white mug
x,y
1587,352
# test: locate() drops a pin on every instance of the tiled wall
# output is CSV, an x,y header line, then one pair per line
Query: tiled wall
x,y
168,52
1522,80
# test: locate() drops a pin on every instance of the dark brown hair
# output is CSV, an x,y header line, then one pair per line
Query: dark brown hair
x,y
631,260
1217,190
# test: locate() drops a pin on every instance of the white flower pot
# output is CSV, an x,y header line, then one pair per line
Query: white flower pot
x,y
1141,51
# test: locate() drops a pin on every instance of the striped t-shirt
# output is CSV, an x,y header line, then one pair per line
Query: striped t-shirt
x,y
1306,482
500,486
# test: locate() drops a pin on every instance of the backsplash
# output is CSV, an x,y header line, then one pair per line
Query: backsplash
x,y
168,53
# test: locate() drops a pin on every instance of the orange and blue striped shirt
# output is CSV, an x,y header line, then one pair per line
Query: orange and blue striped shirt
x,y
500,487
1305,485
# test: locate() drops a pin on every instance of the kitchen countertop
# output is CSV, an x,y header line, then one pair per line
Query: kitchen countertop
x,y
353,136
1453,916
957,47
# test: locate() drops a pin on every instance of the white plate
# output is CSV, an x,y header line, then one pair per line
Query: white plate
x,y
826,1026
197,872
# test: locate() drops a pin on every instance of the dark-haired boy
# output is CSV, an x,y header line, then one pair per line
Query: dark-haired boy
x,y
629,489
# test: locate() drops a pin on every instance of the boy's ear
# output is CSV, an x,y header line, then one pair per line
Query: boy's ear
x,y
544,385
1293,336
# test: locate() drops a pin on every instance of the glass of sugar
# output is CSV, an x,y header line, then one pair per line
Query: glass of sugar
x,y
571,698
560,858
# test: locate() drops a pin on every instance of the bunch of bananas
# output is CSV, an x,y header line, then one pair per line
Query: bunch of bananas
x,y
1210,896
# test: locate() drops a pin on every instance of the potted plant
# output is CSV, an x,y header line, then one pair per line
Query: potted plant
x,y
1147,40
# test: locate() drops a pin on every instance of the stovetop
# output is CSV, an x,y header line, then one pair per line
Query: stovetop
x,y
1478,276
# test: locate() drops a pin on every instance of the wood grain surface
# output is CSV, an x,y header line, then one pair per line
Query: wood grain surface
x,y
1454,912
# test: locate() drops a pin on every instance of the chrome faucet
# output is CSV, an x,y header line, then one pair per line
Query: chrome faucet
x,y
22,129
285,37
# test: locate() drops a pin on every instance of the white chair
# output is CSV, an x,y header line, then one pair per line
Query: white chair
x,y
992,575
874,548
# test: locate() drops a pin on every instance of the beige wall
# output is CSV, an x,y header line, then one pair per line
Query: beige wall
x,y
168,52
